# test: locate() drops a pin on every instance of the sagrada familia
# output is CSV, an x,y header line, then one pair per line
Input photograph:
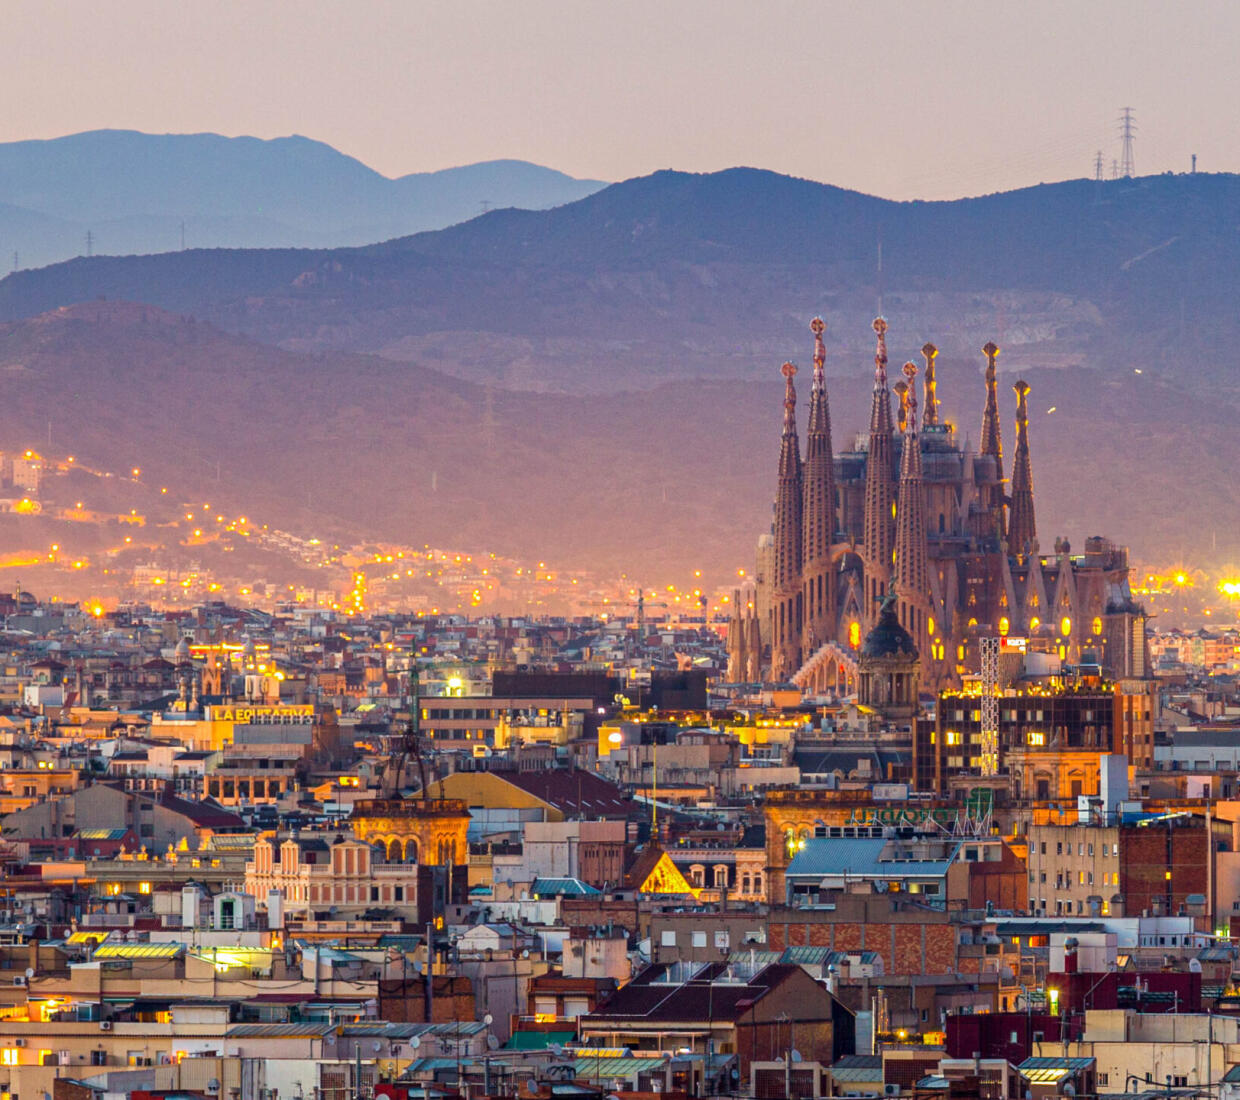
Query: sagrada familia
x,y
915,515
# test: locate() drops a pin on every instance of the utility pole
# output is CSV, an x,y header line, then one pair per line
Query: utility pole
x,y
1127,127
1194,164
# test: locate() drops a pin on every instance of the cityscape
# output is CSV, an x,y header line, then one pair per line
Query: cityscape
x,y
744,603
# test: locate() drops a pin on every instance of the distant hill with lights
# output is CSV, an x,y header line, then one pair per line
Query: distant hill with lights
x,y
650,481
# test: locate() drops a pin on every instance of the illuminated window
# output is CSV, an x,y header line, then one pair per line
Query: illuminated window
x,y
1035,738
1034,623
9,1056
1065,626
951,737
144,888
930,625
1097,625
854,634
1003,625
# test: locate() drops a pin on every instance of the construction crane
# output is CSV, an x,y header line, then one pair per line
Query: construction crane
x,y
989,646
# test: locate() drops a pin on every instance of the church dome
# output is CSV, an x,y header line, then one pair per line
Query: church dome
x,y
888,638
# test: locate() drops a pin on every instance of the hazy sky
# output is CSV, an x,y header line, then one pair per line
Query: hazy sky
x,y
929,98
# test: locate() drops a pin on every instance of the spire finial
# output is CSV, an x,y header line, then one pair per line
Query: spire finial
x,y
789,370
992,353
818,326
901,391
1022,401
880,354
930,417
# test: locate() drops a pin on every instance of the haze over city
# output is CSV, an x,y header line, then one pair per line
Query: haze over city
x,y
639,551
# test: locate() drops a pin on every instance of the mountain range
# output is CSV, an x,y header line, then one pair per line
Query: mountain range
x,y
677,275
135,192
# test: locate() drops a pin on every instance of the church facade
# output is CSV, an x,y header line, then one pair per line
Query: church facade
x,y
945,529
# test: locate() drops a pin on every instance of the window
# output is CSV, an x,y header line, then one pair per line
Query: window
x,y
721,939
668,938
1103,1079
699,939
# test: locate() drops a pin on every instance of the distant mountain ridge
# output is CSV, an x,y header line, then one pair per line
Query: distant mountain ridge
x,y
132,191
715,275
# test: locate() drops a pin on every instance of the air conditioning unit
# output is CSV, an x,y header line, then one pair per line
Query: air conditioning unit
x,y
20,979
105,1025
891,1090
19,1042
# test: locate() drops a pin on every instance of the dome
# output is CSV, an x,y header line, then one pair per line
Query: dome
x,y
888,638
182,650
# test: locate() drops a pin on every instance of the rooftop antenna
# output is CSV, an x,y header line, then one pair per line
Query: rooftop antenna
x,y
1127,127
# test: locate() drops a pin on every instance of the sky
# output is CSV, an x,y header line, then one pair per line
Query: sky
x,y
915,99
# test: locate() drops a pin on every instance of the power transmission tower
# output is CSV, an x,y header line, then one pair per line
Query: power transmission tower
x,y
1098,166
1114,169
90,242
1127,127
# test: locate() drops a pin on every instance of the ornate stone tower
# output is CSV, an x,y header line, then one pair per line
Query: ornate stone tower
x,y
912,579
818,604
1022,527
887,667
878,535
786,586
992,444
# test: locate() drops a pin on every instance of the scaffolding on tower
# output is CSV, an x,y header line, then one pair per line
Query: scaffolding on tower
x,y
990,704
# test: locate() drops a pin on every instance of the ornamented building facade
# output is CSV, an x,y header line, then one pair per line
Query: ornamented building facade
x,y
914,511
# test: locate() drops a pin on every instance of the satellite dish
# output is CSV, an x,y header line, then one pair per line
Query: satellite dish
x,y
488,1019
526,953
29,972
555,1049
796,1056
414,1043
376,1046
492,1043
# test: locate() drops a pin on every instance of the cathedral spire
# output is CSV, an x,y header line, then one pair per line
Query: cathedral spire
x,y
879,530
992,445
1022,527
912,579
786,587
930,417
818,512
